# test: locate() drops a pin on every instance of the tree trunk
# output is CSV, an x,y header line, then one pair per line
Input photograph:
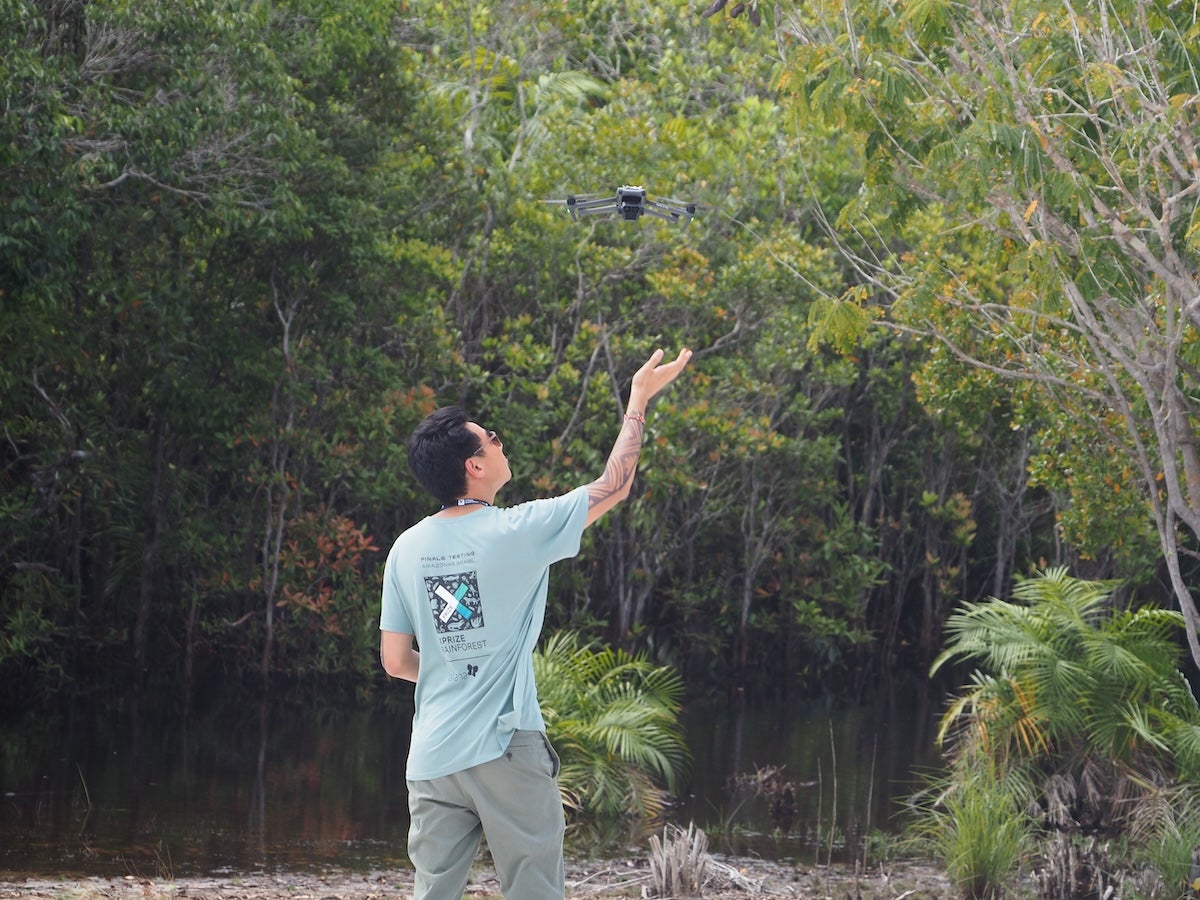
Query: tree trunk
x,y
151,535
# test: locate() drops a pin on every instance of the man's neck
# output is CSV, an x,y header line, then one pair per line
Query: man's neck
x,y
463,506
467,501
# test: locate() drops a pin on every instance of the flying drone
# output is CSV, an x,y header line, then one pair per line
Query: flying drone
x,y
629,203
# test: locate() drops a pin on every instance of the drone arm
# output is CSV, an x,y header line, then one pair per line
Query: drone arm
x,y
660,214
600,204
671,212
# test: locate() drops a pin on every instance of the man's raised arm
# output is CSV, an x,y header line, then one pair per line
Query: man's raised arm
x,y
613,486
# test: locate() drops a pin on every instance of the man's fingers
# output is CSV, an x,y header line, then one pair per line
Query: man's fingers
x,y
677,364
684,357
650,364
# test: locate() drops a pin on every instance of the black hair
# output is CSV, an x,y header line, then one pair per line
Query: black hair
x,y
437,450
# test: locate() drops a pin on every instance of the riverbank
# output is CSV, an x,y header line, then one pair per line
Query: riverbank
x,y
728,878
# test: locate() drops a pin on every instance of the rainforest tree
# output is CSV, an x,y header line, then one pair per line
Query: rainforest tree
x,y
1029,207
195,246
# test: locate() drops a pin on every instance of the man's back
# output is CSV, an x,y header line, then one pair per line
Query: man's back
x,y
472,589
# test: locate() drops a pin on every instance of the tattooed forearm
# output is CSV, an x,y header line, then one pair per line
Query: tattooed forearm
x,y
621,466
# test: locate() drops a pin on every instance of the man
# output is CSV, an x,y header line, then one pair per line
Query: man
x,y
469,583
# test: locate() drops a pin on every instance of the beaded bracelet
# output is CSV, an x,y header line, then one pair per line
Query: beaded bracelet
x,y
636,417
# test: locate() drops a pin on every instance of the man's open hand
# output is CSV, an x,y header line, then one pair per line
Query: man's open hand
x,y
655,375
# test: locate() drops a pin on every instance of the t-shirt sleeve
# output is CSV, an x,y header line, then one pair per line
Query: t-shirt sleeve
x,y
558,523
394,615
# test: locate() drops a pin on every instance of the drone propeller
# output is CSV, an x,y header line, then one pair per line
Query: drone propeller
x,y
587,204
572,199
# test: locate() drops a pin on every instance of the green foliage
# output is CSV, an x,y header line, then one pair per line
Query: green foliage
x,y
220,201
30,639
613,718
243,249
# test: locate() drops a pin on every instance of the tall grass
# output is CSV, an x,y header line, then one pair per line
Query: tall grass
x,y
975,824
1172,850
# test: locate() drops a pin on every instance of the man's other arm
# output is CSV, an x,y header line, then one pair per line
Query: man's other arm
x,y
399,657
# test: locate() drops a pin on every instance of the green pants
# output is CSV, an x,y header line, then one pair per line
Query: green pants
x,y
514,801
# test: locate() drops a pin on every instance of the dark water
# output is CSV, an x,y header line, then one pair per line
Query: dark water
x,y
251,788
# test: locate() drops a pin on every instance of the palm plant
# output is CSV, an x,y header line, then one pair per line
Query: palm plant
x,y
613,717
1092,695
1087,699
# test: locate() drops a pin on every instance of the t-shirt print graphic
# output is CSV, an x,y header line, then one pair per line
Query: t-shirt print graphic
x,y
454,601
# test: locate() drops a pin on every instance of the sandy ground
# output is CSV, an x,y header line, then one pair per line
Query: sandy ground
x,y
726,878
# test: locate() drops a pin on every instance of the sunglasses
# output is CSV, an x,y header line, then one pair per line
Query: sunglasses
x,y
493,439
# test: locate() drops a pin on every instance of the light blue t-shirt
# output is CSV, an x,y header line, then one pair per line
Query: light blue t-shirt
x,y
473,589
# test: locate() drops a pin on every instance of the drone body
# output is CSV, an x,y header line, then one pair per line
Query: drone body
x,y
630,203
